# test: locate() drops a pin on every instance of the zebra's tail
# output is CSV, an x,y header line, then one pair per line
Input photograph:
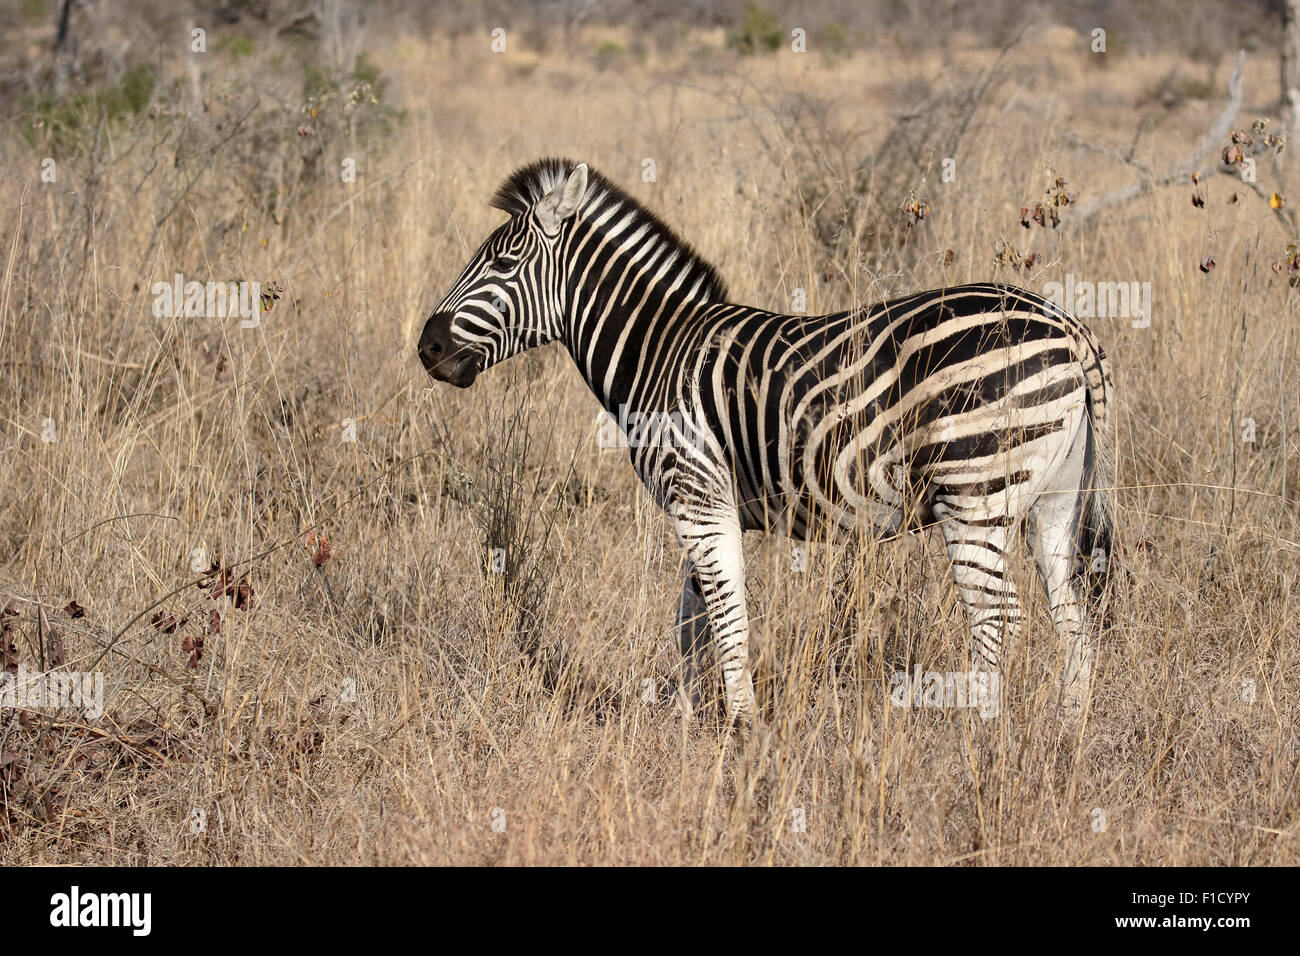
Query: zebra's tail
x,y
1096,535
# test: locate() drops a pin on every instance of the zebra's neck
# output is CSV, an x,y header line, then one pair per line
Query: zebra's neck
x,y
635,294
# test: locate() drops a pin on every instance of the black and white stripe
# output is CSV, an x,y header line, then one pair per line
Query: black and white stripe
x,y
974,407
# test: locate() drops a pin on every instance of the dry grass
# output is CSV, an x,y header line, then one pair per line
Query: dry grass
x,y
389,705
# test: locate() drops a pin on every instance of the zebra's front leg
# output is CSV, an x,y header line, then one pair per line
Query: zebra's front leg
x,y
693,637
711,537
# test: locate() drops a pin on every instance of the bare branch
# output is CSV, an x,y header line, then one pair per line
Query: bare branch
x,y
1183,171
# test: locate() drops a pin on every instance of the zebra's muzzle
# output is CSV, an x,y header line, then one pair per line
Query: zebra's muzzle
x,y
443,359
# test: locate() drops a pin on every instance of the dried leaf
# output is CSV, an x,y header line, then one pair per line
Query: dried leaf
x,y
193,645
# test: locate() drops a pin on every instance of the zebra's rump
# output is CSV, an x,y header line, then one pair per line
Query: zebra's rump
x,y
946,395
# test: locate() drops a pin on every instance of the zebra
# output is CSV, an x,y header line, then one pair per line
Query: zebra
x,y
979,408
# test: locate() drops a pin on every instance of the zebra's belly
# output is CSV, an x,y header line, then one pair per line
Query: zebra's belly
x,y
816,502
859,505
992,457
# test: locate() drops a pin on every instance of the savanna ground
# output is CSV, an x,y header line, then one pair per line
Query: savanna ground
x,y
388,698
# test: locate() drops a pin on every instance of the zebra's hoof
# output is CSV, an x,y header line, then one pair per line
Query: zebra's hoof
x,y
688,704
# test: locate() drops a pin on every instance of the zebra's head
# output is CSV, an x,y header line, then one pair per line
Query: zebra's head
x,y
510,296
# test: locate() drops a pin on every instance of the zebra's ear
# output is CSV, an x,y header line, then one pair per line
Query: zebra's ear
x,y
563,201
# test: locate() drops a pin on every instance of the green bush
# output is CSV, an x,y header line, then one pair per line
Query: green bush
x,y
235,46
355,101
759,32
65,124
834,40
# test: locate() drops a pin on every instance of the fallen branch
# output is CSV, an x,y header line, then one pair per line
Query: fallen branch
x,y
1183,171
144,745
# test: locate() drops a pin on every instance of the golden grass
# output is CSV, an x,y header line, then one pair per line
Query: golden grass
x,y
387,707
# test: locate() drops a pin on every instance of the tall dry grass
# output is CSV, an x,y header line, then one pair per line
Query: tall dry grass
x,y
400,702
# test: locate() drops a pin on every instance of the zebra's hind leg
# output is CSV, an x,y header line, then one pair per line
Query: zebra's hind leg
x,y
1054,521
693,637
978,540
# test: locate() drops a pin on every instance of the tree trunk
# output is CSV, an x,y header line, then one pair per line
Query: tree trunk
x,y
63,49
1290,66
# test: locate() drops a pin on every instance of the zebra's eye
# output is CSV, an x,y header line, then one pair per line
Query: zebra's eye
x,y
504,264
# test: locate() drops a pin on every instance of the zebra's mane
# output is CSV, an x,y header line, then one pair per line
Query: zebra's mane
x,y
528,184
